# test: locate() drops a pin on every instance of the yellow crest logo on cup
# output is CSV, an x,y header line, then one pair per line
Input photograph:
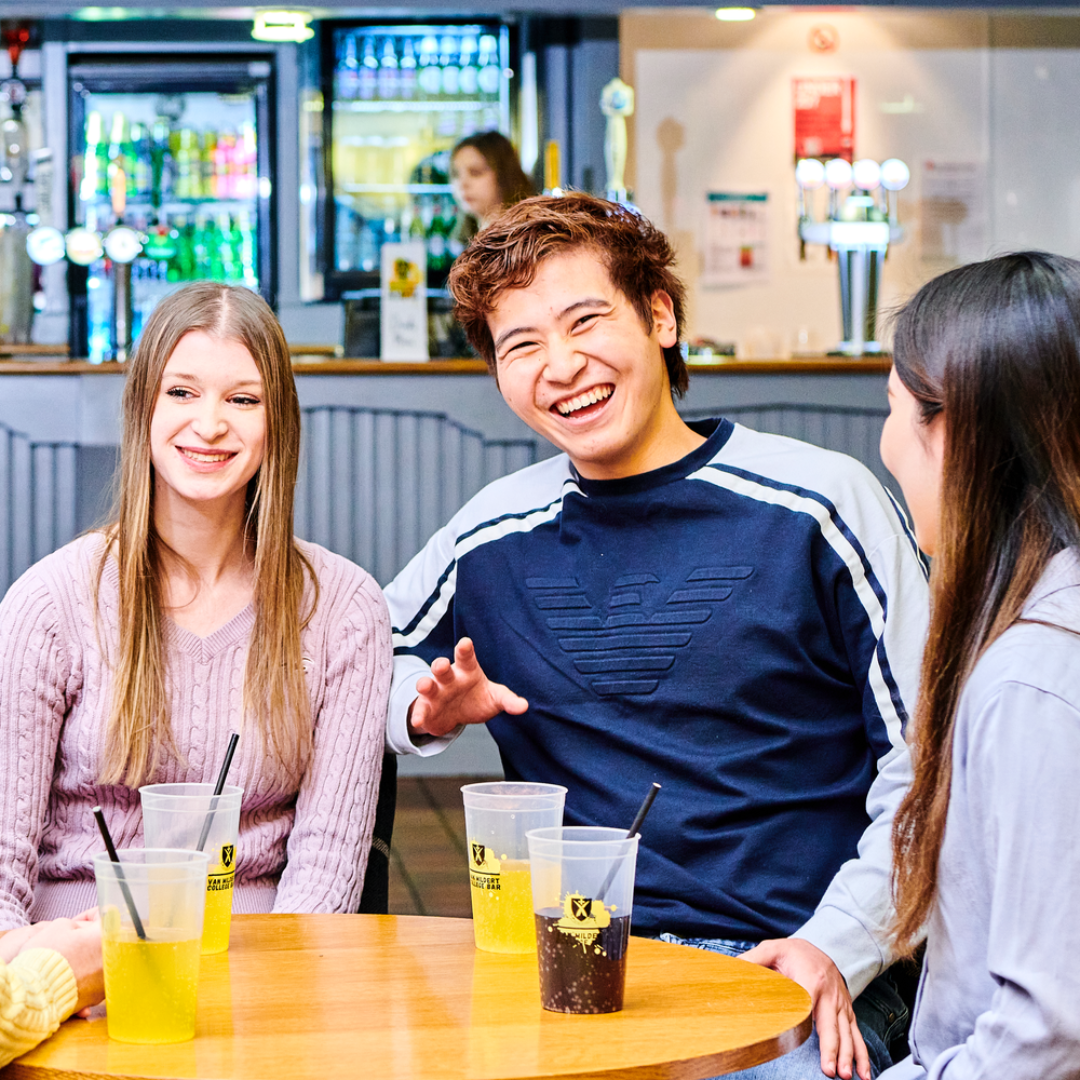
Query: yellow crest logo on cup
x,y
228,855
583,918
484,866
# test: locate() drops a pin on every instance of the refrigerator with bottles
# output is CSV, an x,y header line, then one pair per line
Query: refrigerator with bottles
x,y
397,97
178,149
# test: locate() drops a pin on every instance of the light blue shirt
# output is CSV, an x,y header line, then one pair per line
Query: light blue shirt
x,y
1000,994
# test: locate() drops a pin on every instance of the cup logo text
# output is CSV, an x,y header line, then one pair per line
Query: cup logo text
x,y
484,867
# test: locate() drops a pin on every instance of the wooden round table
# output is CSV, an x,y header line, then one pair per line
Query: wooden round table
x,y
388,997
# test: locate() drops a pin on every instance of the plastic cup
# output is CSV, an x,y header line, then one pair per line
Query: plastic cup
x,y
497,817
583,895
150,983
177,816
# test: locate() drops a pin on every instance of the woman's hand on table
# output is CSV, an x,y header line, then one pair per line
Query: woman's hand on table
x,y
459,693
78,941
841,1042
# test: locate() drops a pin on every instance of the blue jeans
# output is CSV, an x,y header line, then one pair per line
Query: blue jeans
x,y
879,1010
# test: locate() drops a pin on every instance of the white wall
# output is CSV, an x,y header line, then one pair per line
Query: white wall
x,y
714,112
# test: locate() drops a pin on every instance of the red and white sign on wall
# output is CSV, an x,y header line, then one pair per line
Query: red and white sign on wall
x,y
824,116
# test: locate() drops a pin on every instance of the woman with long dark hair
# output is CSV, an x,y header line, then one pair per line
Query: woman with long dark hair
x,y
127,656
984,438
485,175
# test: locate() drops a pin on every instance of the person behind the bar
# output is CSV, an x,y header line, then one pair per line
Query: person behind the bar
x,y
128,656
485,176
984,438
736,615
48,971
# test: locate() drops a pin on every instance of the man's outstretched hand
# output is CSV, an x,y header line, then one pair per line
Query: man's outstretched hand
x,y
459,693
838,1032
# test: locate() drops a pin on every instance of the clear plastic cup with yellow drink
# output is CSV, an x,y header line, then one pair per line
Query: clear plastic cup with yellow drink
x,y
151,905
191,816
497,817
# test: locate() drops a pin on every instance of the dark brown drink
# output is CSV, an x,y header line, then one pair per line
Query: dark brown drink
x,y
581,970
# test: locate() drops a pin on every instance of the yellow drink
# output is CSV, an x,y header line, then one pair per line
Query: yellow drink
x,y
218,915
150,985
503,909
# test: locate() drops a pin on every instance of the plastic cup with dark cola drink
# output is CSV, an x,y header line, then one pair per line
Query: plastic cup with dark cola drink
x,y
583,892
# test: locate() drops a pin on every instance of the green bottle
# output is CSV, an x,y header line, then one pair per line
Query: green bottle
x,y
246,248
159,153
122,151
95,160
437,236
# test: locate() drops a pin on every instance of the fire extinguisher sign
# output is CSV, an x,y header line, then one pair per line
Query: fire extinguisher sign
x,y
824,108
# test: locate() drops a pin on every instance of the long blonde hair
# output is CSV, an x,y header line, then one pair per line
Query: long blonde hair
x,y
139,732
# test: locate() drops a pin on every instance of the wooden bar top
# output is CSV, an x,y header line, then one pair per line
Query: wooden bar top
x,y
326,365
403,998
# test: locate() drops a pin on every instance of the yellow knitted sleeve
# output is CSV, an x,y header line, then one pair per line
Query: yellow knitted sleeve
x,y
37,992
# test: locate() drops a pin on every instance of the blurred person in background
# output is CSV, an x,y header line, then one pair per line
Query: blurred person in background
x,y
485,175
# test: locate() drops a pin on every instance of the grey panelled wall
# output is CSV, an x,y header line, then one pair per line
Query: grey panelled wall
x,y
38,498
374,483
851,430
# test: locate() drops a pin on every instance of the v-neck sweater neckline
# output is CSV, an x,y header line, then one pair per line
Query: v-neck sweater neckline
x,y
201,649
224,637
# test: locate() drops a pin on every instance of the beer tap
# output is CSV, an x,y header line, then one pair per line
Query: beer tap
x,y
860,223
123,246
85,244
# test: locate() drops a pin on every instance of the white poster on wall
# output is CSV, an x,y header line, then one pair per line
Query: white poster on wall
x,y
736,239
953,226
403,323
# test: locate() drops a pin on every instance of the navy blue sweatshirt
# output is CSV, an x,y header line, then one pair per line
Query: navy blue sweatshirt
x,y
742,626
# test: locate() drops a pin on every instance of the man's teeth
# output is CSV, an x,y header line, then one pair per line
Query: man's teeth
x,y
196,456
590,397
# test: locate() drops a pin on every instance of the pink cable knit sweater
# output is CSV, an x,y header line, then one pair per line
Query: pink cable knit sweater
x,y
300,850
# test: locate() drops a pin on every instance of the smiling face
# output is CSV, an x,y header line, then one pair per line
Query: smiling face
x,y
474,183
914,452
575,362
208,431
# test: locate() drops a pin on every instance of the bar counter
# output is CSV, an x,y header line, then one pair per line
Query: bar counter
x,y
322,362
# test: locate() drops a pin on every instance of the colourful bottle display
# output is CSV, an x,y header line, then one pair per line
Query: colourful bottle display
x,y
190,189
167,163
402,97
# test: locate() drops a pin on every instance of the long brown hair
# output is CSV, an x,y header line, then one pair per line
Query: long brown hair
x,y
139,732
995,349
507,254
498,151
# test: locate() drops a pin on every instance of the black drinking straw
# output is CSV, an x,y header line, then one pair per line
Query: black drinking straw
x,y
631,833
111,849
234,738
646,805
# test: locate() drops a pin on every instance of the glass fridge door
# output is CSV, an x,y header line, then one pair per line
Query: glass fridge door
x,y
400,97
187,144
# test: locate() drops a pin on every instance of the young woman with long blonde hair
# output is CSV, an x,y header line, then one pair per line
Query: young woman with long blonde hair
x,y
129,655
984,438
